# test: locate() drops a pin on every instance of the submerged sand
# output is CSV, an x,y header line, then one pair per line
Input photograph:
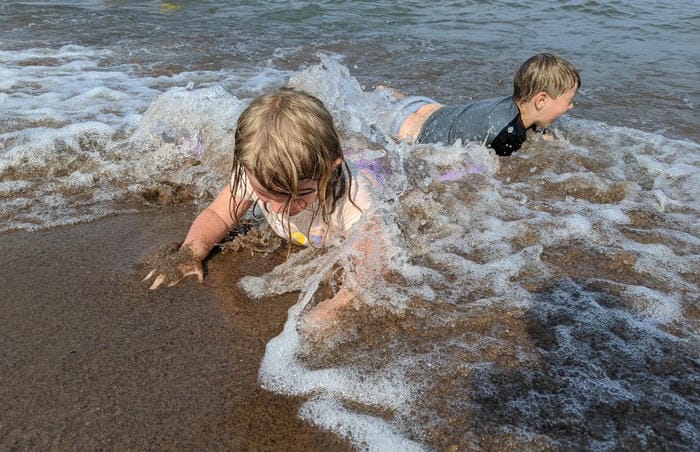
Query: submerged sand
x,y
90,359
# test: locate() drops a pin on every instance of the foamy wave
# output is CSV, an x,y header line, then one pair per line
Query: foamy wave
x,y
93,133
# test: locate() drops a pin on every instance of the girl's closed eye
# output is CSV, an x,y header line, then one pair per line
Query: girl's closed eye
x,y
281,202
305,199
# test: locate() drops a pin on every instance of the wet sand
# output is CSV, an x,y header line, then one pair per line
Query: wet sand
x,y
90,359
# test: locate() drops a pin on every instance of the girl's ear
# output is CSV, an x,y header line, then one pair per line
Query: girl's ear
x,y
337,162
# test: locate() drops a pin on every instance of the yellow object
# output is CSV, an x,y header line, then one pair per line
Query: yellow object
x,y
299,238
168,7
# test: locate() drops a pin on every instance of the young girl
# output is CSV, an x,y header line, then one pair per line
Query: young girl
x,y
289,163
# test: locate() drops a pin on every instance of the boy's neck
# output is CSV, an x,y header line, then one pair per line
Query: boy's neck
x,y
528,112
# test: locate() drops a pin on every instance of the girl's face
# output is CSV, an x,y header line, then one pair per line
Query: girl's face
x,y
308,190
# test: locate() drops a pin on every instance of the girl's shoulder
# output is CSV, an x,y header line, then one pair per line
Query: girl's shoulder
x,y
369,167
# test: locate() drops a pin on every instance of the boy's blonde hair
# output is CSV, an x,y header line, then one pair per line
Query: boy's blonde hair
x,y
544,72
285,137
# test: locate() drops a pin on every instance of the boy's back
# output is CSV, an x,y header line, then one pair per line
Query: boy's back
x,y
494,122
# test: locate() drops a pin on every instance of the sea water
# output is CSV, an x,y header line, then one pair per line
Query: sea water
x,y
549,303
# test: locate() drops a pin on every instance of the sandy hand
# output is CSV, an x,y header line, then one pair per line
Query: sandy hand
x,y
171,264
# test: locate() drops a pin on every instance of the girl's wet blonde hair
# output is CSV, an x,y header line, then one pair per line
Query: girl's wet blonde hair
x,y
544,72
283,138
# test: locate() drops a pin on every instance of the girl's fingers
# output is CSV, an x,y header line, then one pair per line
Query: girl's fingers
x,y
157,282
161,279
197,272
149,275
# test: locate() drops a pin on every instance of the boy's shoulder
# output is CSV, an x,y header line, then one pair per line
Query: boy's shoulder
x,y
503,105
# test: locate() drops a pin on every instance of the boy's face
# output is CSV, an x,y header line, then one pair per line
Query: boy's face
x,y
553,108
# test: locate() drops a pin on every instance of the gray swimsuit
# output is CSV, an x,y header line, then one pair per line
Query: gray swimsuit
x,y
494,122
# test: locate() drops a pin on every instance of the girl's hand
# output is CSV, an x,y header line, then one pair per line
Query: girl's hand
x,y
171,264
327,310
322,317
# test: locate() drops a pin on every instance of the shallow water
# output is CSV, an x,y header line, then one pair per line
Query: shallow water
x,y
550,305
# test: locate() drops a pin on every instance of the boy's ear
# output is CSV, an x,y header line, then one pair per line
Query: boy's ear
x,y
540,99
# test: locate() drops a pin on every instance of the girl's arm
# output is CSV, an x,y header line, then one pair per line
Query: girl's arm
x,y
208,229
372,251
212,225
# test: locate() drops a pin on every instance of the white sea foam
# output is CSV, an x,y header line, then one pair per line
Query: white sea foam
x,y
613,215
11,186
73,117
653,304
366,432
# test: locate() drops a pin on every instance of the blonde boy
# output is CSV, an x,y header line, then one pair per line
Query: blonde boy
x,y
543,89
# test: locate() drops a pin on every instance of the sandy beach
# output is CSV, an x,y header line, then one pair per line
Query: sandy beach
x,y
93,360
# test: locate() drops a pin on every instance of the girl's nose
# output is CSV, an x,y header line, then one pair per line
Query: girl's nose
x,y
277,207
